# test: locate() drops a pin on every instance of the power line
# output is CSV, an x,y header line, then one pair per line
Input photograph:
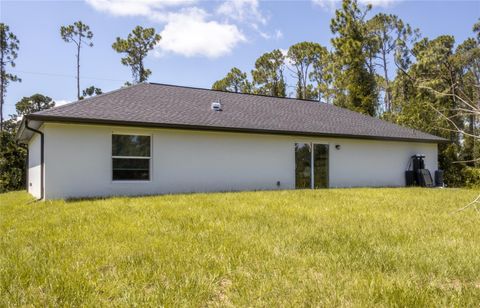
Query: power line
x,y
64,75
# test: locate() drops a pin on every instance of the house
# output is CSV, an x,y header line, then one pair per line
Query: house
x,y
157,139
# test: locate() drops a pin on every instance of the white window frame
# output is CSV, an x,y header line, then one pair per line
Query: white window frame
x,y
150,164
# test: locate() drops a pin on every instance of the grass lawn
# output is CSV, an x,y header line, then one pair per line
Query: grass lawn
x,y
339,247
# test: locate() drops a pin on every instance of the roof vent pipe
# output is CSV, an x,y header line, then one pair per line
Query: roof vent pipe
x,y
216,106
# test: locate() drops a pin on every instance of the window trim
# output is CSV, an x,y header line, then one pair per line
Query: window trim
x,y
150,164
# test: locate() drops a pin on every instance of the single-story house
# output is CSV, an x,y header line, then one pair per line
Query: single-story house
x,y
158,139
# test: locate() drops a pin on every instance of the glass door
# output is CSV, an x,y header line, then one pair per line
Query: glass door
x,y
311,165
303,165
320,166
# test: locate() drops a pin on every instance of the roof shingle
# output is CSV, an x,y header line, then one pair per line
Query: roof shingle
x,y
159,105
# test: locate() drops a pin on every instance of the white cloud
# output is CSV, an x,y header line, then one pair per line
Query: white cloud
x,y
243,11
149,8
190,33
60,102
380,3
275,35
189,30
329,5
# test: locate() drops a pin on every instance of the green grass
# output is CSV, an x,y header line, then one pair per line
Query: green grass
x,y
339,247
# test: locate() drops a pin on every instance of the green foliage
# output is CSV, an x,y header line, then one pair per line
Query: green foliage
x,y
309,60
12,158
34,103
435,94
453,172
354,80
136,47
235,81
322,76
80,34
388,36
9,45
91,91
320,248
476,29
268,74
471,177
12,154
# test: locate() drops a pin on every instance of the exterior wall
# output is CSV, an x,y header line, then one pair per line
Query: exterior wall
x,y
78,161
376,163
34,166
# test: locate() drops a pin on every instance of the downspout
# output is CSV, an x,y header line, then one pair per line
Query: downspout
x,y
42,158
27,183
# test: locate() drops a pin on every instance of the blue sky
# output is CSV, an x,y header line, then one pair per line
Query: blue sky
x,y
201,41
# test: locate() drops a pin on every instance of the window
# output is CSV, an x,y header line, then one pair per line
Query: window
x,y
131,155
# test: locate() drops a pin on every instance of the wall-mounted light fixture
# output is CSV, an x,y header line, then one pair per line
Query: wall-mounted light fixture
x,y
337,147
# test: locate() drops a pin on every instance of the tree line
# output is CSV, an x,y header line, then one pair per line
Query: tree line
x,y
383,67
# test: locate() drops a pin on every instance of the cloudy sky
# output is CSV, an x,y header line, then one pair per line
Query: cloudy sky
x,y
201,40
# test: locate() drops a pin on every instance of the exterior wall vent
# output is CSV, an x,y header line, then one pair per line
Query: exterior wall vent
x,y
216,106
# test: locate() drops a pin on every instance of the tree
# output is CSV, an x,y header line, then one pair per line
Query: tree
x,y
305,57
91,91
8,53
322,76
476,29
352,45
36,102
388,34
235,81
467,59
12,158
136,47
441,97
12,154
268,74
80,34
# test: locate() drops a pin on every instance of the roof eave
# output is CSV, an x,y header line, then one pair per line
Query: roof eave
x,y
45,118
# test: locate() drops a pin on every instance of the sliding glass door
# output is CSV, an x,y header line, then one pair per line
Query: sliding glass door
x,y
303,165
311,167
320,163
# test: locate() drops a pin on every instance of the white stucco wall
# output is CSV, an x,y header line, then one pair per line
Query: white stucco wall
x,y
34,166
376,163
78,161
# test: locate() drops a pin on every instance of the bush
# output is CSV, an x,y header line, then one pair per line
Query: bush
x,y
471,176
12,163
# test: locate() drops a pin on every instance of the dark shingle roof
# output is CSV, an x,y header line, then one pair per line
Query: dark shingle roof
x,y
158,105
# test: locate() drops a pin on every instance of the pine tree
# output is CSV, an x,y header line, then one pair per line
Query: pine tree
x,y
9,45
80,34
354,81
136,47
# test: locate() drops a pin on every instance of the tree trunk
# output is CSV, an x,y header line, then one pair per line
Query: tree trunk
x,y
78,68
141,77
388,99
2,86
471,130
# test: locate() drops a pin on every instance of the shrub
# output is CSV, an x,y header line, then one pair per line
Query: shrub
x,y
471,176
